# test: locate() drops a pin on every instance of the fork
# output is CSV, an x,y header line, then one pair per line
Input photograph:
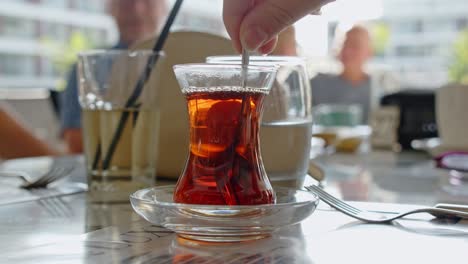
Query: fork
x,y
373,217
54,174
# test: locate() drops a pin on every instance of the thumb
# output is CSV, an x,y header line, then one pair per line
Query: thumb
x,y
269,17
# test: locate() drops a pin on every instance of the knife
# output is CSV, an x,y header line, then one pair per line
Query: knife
x,y
456,207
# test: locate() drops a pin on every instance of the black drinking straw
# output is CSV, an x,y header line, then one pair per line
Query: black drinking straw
x,y
140,84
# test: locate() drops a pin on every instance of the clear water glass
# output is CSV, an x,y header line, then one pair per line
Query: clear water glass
x,y
286,126
117,163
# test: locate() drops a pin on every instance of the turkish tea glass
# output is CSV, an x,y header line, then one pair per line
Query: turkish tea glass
x,y
224,166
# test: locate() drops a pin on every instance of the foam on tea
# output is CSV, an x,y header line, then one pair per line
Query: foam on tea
x,y
224,165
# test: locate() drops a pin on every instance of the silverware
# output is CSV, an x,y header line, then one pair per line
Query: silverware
x,y
456,207
54,174
373,217
245,65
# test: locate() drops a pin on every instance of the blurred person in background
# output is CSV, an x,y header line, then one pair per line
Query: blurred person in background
x,y
353,84
136,21
16,141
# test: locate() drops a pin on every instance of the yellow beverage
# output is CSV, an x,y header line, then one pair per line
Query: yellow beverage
x,y
132,165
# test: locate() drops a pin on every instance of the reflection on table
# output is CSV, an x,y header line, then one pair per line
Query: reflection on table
x,y
384,176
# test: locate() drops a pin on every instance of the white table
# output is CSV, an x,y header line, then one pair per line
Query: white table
x,y
70,230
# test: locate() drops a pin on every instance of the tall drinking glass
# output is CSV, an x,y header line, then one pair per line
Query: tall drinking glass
x,y
224,166
119,133
286,130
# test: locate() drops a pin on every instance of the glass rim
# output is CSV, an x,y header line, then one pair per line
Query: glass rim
x,y
224,66
273,60
113,52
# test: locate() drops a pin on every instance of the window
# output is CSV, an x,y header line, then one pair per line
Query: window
x,y
57,32
438,25
89,5
417,27
55,3
408,26
415,51
18,65
461,23
17,27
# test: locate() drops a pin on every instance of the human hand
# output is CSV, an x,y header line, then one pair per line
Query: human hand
x,y
255,24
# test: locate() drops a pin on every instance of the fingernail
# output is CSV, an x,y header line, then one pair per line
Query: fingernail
x,y
253,38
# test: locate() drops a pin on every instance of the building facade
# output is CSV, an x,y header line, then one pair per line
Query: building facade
x,y
422,35
29,29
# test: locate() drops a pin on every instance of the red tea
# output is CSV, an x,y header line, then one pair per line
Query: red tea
x,y
224,165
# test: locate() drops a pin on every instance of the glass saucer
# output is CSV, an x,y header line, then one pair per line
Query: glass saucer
x,y
221,223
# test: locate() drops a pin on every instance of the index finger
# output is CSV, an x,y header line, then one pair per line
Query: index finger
x,y
234,12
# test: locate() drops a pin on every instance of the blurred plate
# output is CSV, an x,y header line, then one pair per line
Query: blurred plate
x,y
433,146
343,138
34,166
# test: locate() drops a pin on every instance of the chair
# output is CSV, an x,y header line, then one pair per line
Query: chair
x,y
181,47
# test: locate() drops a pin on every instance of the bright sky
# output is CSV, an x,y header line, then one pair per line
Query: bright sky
x,y
312,31
353,10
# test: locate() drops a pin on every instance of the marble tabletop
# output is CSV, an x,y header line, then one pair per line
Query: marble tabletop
x,y
69,229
